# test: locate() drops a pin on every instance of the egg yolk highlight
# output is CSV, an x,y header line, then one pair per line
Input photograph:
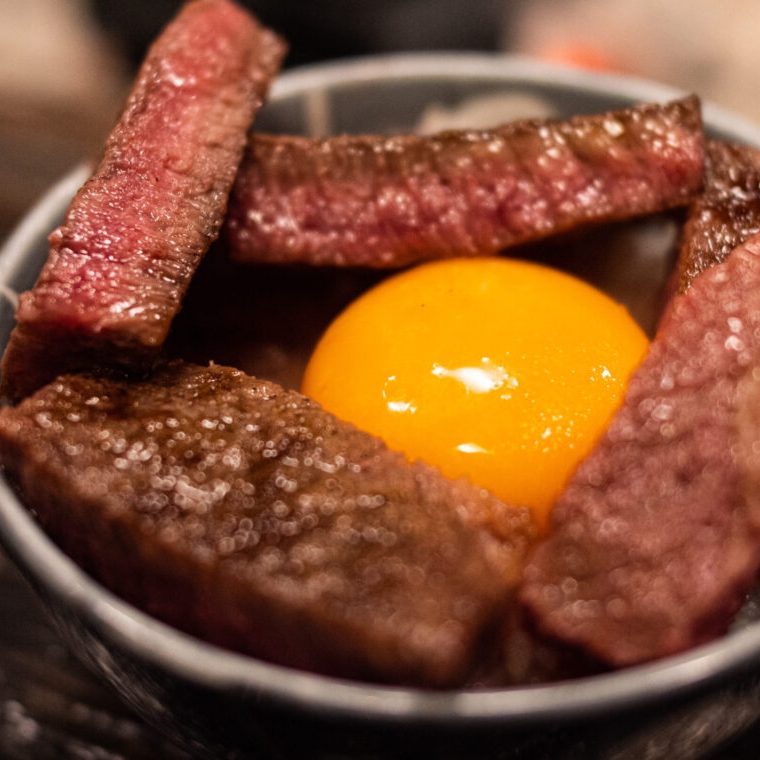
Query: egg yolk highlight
x,y
502,371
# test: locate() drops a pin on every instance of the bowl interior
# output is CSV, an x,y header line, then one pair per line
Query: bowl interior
x,y
265,320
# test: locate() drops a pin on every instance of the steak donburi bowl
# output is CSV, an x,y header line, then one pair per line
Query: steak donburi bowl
x,y
213,700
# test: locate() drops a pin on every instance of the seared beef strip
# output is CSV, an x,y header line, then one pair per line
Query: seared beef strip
x,y
135,233
725,215
247,515
654,543
388,201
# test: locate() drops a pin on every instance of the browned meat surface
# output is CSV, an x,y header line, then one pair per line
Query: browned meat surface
x,y
245,514
388,201
654,543
133,236
725,215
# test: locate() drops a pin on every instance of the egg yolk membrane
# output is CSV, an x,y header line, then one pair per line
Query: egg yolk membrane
x,y
502,371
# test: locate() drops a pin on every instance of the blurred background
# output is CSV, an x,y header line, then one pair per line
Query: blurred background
x,y
65,64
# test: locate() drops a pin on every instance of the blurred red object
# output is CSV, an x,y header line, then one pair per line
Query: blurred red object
x,y
581,56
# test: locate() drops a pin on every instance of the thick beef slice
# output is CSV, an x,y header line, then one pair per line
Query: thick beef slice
x,y
388,201
247,515
654,543
725,214
133,236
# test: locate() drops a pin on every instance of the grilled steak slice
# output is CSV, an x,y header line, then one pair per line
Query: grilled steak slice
x,y
247,515
725,215
133,236
389,201
654,543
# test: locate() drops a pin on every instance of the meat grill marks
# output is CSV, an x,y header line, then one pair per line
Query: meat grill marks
x,y
655,541
725,215
247,515
389,201
120,264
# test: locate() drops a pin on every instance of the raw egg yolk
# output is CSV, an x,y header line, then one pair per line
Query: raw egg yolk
x,y
499,370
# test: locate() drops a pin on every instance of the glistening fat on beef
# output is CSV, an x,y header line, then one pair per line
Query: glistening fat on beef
x,y
388,201
120,264
655,541
247,515
726,214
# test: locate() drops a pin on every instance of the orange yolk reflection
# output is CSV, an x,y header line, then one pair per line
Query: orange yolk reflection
x,y
502,371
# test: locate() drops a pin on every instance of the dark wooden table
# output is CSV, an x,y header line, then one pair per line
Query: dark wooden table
x,y
50,707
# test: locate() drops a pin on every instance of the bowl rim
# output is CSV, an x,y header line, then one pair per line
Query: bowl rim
x,y
168,649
